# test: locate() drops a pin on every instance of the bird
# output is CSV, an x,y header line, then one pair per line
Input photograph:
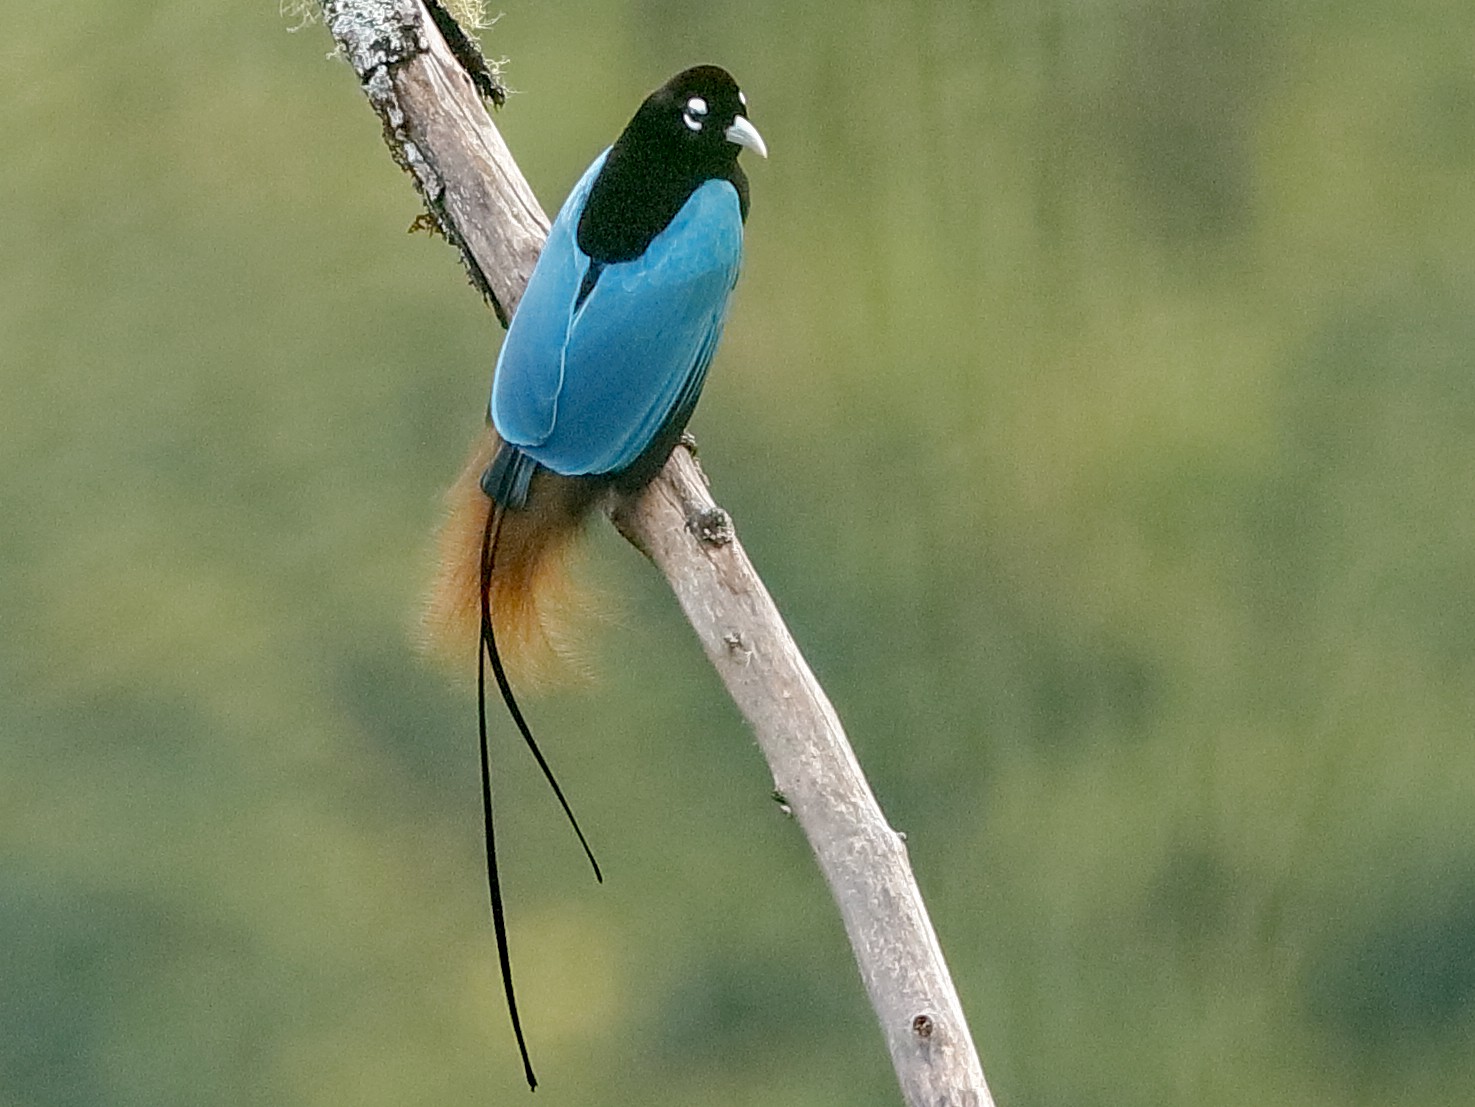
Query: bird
x,y
601,368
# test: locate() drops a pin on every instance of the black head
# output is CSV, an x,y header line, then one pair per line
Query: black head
x,y
699,116
689,130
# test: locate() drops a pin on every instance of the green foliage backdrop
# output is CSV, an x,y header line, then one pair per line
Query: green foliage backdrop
x,y
1098,404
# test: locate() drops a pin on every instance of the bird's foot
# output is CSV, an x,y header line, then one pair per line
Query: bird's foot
x,y
688,442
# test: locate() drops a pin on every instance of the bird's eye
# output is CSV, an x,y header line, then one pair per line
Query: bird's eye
x,y
696,108
743,100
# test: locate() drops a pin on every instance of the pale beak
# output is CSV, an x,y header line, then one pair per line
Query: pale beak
x,y
743,133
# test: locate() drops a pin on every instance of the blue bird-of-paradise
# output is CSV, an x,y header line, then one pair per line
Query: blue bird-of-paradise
x,y
630,354
602,366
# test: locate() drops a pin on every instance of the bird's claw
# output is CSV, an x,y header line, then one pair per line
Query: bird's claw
x,y
688,442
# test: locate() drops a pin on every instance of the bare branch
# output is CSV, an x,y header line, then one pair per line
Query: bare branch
x,y
690,539
439,131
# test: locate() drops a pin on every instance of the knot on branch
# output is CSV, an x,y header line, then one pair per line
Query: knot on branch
x,y
738,646
712,526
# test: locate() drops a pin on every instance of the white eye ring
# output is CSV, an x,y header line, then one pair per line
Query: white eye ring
x,y
743,100
696,107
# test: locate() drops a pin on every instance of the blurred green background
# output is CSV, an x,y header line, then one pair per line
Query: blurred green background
x,y
1098,405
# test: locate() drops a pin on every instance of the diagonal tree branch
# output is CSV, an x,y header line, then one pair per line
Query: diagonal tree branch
x,y
438,130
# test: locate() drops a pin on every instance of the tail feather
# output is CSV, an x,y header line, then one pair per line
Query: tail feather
x,y
488,638
509,477
492,533
503,586
503,590
534,602
494,880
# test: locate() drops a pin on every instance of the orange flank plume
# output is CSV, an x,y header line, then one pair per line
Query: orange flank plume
x,y
535,603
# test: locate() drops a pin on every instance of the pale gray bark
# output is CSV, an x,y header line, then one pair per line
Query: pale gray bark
x,y
690,539
437,128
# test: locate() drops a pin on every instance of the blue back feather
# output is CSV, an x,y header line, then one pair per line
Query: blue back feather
x,y
585,391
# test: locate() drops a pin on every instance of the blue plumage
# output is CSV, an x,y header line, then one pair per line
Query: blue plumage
x,y
583,388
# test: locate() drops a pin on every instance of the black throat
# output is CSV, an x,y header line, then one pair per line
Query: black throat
x,y
645,180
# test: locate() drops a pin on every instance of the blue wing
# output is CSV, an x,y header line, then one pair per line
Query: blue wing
x,y
584,390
